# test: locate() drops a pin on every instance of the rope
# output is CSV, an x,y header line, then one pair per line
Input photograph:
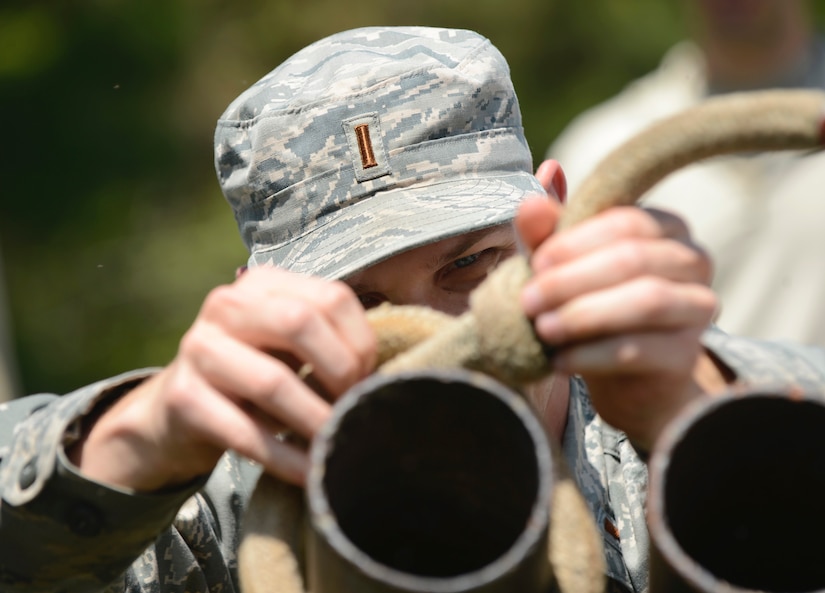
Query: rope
x,y
495,337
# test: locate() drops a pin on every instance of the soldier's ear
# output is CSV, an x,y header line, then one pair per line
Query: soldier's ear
x,y
240,271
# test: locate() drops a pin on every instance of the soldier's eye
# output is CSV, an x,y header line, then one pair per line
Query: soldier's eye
x,y
371,300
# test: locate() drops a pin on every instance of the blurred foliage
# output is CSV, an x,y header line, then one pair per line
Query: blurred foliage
x,y
112,224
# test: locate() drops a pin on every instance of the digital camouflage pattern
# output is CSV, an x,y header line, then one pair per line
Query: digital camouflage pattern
x,y
382,138
60,532
613,482
385,139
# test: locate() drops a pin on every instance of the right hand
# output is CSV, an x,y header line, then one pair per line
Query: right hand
x,y
623,297
234,384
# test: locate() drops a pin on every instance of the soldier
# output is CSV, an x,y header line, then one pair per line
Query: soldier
x,y
376,165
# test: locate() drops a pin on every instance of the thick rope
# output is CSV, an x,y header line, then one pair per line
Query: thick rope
x,y
727,124
496,338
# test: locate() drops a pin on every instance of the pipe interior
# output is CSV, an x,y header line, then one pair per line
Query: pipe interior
x,y
431,478
744,491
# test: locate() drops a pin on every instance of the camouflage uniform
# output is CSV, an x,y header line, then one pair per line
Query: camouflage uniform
x,y
385,139
61,532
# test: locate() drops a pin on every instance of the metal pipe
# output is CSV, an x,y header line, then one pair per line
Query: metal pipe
x,y
436,481
735,497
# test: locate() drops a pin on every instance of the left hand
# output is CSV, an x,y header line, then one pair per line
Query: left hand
x,y
625,297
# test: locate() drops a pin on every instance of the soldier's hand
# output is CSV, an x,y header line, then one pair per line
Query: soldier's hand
x,y
238,382
624,298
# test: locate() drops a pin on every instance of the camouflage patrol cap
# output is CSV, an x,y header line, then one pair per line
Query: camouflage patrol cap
x,y
369,143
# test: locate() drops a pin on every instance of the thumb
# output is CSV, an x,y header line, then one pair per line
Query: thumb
x,y
535,221
552,179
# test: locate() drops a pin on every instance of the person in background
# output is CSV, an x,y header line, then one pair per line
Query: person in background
x,y
759,215
379,165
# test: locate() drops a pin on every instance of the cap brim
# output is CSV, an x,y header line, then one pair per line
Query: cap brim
x,y
395,221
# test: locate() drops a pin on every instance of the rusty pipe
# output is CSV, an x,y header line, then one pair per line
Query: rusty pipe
x,y
735,496
436,482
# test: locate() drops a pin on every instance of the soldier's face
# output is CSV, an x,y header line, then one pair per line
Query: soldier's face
x,y
440,275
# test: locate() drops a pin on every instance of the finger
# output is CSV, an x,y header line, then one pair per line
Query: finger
x,y
618,370
279,457
551,177
285,458
293,325
305,331
338,303
335,300
624,261
535,221
671,352
606,228
250,376
347,316
219,422
643,304
273,425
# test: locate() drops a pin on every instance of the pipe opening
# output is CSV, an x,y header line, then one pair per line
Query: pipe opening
x,y
430,477
744,490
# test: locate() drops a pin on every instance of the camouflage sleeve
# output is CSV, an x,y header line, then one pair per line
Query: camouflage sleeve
x,y
759,362
198,553
58,530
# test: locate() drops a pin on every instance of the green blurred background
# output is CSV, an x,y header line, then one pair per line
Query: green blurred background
x,y
112,225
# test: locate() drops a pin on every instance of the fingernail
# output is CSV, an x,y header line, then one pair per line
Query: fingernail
x,y
549,328
531,300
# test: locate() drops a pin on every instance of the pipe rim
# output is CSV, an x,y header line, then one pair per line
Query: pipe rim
x,y
672,552
322,517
